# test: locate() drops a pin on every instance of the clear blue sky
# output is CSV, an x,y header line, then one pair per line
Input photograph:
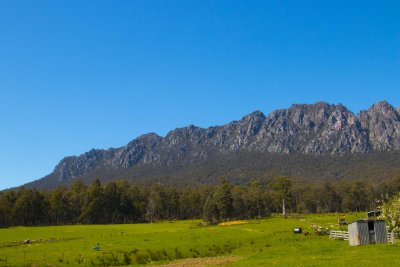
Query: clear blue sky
x,y
76,75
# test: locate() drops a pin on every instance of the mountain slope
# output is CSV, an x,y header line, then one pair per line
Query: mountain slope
x,y
311,133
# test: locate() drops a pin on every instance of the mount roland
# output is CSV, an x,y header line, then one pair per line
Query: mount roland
x,y
307,142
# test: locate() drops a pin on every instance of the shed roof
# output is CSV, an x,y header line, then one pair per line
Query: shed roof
x,y
367,220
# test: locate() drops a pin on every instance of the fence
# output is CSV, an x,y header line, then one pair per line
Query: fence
x,y
391,238
339,235
345,236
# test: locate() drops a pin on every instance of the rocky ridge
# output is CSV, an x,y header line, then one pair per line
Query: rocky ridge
x,y
315,129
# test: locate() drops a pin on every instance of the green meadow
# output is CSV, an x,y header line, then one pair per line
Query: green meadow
x,y
265,242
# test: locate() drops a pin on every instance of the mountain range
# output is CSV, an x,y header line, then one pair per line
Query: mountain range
x,y
305,141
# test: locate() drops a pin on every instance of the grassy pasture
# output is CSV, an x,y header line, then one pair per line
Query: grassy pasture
x,y
267,242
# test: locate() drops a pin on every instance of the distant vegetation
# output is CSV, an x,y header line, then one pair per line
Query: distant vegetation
x,y
243,167
122,202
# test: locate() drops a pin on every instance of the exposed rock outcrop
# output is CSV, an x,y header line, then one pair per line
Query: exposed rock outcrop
x,y
316,129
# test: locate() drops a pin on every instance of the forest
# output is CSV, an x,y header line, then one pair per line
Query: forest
x,y
123,202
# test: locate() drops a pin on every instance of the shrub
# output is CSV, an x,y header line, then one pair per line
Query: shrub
x,y
178,254
127,259
142,258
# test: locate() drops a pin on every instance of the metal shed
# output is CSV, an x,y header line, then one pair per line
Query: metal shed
x,y
365,232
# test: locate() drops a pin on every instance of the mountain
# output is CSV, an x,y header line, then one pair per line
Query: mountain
x,y
302,141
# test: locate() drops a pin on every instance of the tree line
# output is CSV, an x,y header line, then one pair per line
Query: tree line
x,y
122,202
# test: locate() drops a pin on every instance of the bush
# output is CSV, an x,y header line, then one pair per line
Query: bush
x,y
80,259
127,259
178,254
142,258
155,255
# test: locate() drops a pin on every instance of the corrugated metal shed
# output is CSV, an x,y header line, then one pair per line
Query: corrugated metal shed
x,y
365,232
380,232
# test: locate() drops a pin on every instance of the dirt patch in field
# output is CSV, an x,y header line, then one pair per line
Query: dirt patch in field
x,y
201,262
231,223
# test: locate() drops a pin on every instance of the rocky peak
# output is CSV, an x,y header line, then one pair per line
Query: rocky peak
x,y
321,105
319,128
150,137
383,104
382,108
184,131
382,122
73,166
254,116
251,123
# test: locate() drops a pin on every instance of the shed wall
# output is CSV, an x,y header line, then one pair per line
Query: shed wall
x,y
353,234
358,233
380,232
363,233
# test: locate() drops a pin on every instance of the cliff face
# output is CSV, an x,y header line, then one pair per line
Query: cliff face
x,y
316,129
382,122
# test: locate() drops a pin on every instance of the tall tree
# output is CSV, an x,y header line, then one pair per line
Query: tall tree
x,y
111,200
238,203
77,195
210,211
60,205
7,200
30,208
154,204
93,206
355,197
223,199
282,187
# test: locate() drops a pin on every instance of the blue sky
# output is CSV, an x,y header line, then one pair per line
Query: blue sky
x,y
76,75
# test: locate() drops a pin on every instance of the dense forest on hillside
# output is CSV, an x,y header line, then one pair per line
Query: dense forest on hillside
x,y
242,167
122,202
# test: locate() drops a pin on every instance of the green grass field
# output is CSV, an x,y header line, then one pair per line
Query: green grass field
x,y
267,242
